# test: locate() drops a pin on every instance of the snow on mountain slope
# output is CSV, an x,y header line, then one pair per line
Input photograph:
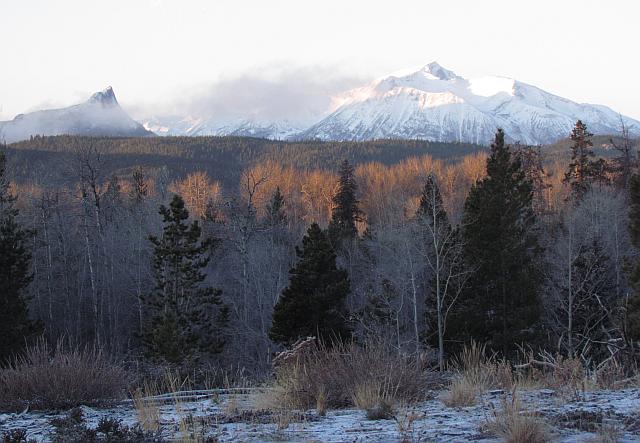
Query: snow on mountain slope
x,y
434,103
196,126
101,115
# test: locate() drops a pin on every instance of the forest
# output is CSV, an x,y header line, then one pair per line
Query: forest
x,y
201,253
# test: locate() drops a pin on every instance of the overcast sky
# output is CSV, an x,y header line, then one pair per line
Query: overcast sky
x,y
187,54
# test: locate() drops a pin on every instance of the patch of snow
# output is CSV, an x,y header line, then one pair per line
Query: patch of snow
x,y
434,422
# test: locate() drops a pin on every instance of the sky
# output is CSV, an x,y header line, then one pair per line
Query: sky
x,y
285,58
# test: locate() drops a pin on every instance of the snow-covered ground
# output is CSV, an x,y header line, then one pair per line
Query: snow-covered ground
x,y
432,421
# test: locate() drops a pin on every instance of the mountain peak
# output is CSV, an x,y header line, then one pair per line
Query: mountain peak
x,y
438,71
106,97
433,103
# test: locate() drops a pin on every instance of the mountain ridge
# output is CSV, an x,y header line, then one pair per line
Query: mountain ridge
x,y
100,115
434,103
430,103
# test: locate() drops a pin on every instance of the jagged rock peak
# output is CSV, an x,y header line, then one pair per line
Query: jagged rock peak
x,y
105,97
438,71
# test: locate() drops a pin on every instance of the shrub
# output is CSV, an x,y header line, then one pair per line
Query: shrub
x,y
72,429
60,378
336,376
16,436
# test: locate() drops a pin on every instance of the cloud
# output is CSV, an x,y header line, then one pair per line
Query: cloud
x,y
300,95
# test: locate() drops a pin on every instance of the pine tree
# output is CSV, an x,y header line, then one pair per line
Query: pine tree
x,y
15,275
501,299
633,303
583,170
187,317
345,207
314,302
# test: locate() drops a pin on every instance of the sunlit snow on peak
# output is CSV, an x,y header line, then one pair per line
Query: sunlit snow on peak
x,y
434,103
490,86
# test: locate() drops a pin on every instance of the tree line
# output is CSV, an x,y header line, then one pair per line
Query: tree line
x,y
505,248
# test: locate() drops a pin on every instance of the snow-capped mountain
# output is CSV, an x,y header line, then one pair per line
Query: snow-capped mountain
x,y
434,103
198,126
101,115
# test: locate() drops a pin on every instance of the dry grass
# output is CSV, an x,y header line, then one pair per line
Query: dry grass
x,y
375,398
613,375
190,429
283,420
405,419
477,368
461,393
321,401
147,410
60,378
517,426
567,376
231,406
335,377
607,433
475,373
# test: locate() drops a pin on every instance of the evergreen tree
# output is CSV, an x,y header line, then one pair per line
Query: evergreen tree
x,y
431,209
633,303
275,209
583,170
313,303
345,207
186,316
380,308
15,275
501,299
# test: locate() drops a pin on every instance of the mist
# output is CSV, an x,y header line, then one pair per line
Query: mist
x,y
300,96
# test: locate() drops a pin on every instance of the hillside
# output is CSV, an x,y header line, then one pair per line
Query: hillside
x,y
224,158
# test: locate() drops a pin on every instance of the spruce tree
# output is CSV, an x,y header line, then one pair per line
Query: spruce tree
x,y
186,316
501,303
15,274
633,303
314,302
275,209
431,209
345,212
583,169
